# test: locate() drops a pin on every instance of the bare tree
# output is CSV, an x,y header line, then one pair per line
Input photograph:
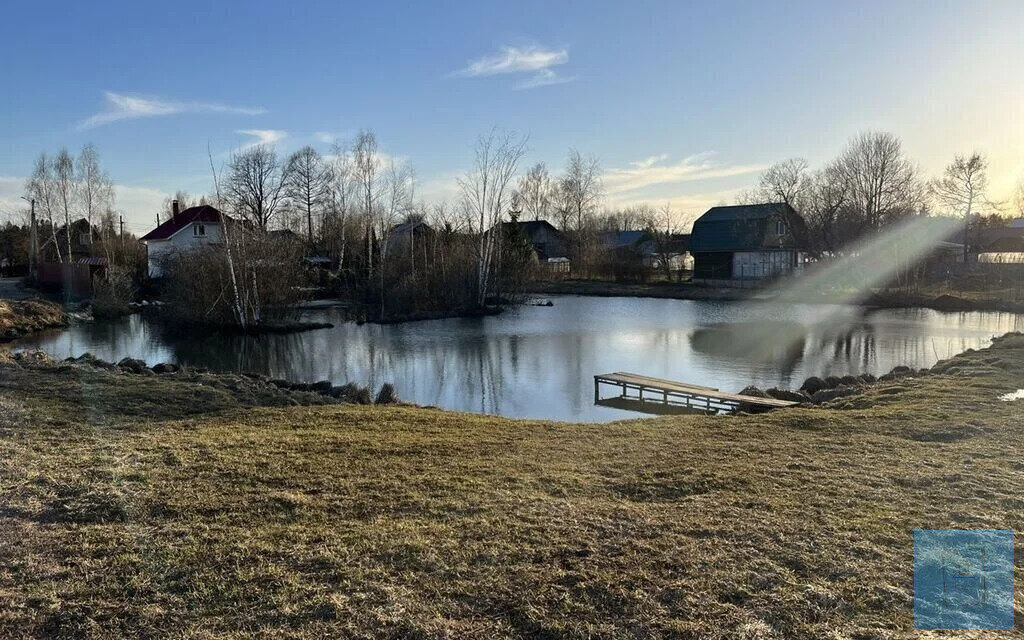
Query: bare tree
x,y
66,189
823,203
95,189
42,188
1018,199
580,193
343,193
883,184
367,170
785,181
663,228
486,194
255,184
534,192
397,202
963,185
184,200
581,188
308,184
962,188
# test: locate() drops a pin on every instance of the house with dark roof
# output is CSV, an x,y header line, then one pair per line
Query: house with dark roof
x,y
409,237
546,242
185,231
748,242
83,240
645,246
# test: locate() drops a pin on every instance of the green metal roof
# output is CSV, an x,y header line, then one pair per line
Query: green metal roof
x,y
744,227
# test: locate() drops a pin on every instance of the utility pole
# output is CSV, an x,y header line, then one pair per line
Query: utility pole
x,y
120,220
33,240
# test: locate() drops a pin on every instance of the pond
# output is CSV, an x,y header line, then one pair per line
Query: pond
x,y
539,362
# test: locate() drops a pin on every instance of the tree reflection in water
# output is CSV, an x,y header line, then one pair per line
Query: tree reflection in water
x,y
539,362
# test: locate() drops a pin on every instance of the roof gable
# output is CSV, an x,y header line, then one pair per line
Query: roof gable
x,y
203,213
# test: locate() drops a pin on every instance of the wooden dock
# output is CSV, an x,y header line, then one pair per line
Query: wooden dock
x,y
657,395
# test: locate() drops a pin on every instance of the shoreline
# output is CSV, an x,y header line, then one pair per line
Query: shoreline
x,y
686,291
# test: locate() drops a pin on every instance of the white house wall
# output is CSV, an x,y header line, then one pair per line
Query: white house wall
x,y
757,265
182,242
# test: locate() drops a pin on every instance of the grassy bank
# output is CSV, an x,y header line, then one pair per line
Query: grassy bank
x,y
20,317
156,506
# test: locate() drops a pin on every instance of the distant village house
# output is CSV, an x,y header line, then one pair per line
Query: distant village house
x,y
748,242
185,231
546,242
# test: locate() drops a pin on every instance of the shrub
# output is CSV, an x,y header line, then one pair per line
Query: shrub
x,y
199,287
387,394
113,294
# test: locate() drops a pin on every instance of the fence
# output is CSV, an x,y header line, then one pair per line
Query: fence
x,y
72,279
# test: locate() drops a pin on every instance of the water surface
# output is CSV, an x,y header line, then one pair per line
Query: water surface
x,y
539,362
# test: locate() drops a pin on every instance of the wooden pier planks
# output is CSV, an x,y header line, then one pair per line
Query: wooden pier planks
x,y
691,394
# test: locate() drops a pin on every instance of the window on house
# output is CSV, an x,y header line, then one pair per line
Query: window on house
x,y
780,227
199,230
84,238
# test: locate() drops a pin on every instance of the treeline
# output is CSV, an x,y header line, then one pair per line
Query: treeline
x,y
396,255
873,184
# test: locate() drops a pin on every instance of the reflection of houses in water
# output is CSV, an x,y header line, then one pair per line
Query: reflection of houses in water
x,y
539,362
780,344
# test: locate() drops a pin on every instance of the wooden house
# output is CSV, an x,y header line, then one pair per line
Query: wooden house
x,y
748,242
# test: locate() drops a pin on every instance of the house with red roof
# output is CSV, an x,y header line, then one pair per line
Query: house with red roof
x,y
188,230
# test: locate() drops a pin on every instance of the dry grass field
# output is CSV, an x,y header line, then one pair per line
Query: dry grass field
x,y
153,506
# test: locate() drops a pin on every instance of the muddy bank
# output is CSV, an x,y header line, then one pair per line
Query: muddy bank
x,y
245,389
21,317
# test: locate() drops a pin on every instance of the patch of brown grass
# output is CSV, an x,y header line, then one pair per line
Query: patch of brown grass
x,y
371,521
18,317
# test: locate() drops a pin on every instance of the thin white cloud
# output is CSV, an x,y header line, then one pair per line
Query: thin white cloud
x,y
685,207
534,60
656,170
544,78
123,106
325,137
268,137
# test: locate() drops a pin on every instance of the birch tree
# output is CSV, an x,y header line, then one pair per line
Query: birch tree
x,y
485,195
42,188
95,189
343,188
581,188
580,192
367,170
534,191
66,188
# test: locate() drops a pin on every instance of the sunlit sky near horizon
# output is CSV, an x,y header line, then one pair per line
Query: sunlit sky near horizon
x,y
681,102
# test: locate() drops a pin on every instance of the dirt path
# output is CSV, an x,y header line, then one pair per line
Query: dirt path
x,y
13,289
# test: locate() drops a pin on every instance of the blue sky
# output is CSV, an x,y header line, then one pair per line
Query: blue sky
x,y
681,102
